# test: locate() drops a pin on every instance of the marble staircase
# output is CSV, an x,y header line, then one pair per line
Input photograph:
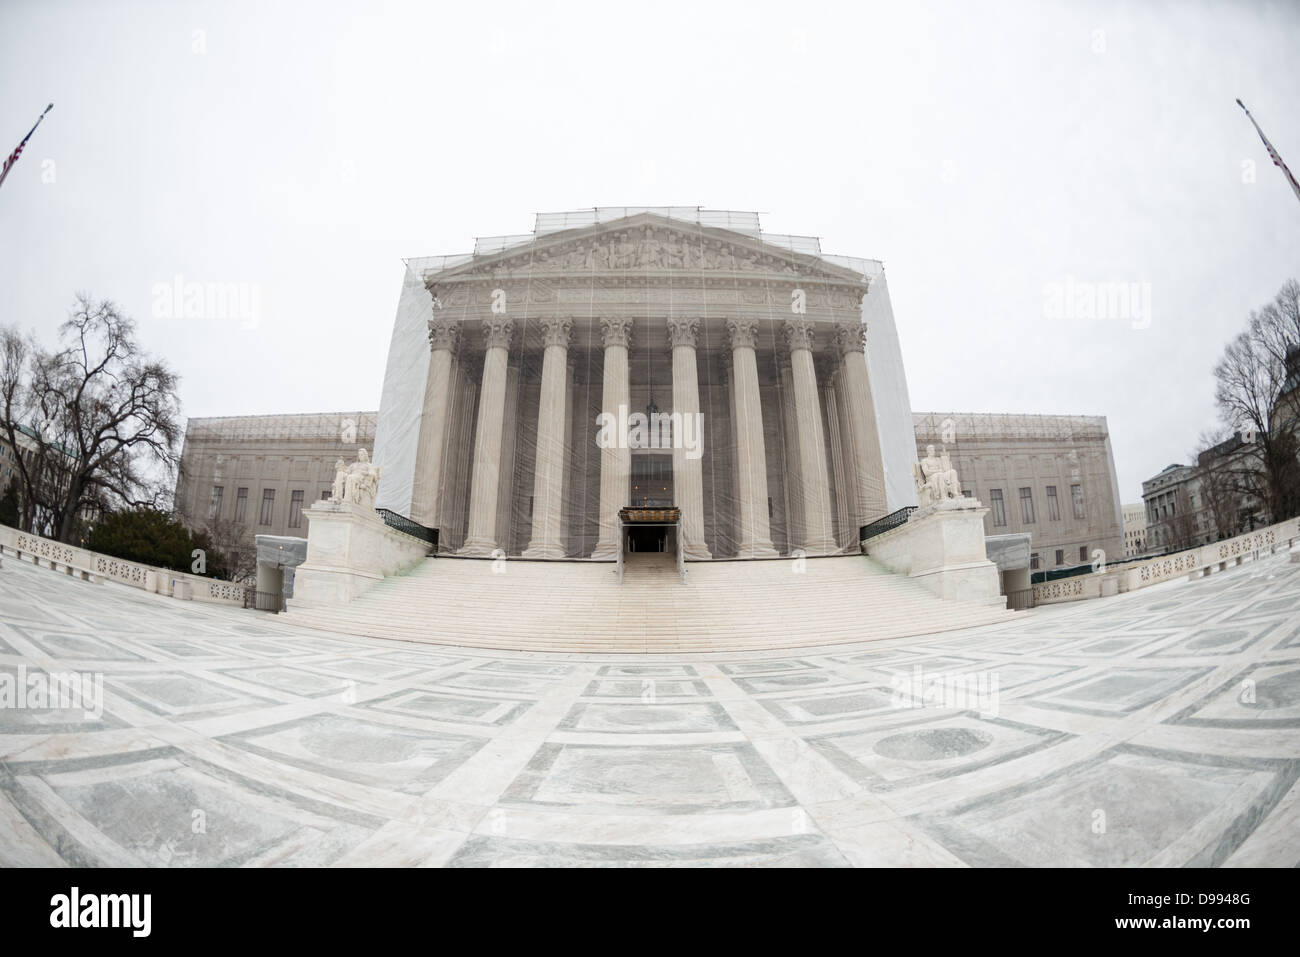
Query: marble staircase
x,y
579,606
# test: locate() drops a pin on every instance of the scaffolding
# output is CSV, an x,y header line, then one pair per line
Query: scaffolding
x,y
992,427
333,427
744,223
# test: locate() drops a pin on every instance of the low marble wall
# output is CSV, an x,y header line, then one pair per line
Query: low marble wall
x,y
1203,560
94,566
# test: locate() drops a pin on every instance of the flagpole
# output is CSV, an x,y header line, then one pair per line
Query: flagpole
x,y
13,157
1273,154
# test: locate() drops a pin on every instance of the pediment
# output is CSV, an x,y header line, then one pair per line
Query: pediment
x,y
646,245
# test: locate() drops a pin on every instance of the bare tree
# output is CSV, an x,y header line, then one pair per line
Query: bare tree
x,y
1224,481
1251,394
230,539
102,419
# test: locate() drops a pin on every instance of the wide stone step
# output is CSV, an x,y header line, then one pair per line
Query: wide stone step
x,y
580,607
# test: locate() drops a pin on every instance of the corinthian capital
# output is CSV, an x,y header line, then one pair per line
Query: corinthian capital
x,y
617,332
444,334
555,332
743,332
851,337
497,332
683,332
798,334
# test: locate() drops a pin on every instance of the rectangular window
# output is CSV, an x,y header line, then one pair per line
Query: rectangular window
x,y
241,504
1027,506
1076,494
268,506
1053,507
999,510
295,509
1033,560
214,505
326,494
1060,556
1083,553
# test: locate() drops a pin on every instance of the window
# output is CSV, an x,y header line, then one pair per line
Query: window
x,y
295,509
268,506
326,494
1076,493
999,510
1060,556
1027,505
214,505
1083,553
1053,507
1033,560
241,504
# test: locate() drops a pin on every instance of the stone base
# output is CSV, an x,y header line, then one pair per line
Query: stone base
x,y
943,549
472,549
759,549
349,548
550,552
605,552
696,553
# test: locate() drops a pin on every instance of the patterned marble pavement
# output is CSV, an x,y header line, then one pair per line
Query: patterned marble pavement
x,y
1158,728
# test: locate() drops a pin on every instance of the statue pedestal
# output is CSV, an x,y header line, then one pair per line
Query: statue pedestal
x,y
942,547
349,548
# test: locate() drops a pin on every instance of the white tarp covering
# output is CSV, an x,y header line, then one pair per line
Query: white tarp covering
x,y
889,391
650,381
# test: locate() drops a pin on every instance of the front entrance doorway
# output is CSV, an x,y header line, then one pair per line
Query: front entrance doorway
x,y
646,538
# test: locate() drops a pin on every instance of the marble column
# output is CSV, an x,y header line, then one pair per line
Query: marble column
x,y
688,476
790,429
755,532
869,475
615,457
444,337
570,454
842,458
731,505
548,475
485,483
819,537
509,443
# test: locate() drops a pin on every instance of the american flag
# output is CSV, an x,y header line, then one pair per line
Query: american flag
x,y
12,158
1273,154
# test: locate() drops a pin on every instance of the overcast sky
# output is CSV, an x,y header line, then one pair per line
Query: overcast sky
x,y
982,152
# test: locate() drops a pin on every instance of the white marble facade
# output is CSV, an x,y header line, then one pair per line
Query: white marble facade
x,y
758,352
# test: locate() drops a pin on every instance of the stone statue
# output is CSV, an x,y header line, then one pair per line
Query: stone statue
x,y
360,481
340,478
936,479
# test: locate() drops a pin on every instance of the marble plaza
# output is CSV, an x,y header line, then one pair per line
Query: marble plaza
x,y
1153,728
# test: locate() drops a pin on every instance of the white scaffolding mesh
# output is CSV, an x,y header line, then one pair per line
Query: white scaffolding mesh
x,y
991,426
650,382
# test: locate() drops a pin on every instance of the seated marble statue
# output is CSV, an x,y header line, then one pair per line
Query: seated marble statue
x,y
936,479
359,481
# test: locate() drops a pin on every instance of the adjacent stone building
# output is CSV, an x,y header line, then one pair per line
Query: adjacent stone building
x,y
1135,530
242,476
1052,476
1191,505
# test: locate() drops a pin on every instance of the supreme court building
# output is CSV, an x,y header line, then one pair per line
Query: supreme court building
x,y
644,357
